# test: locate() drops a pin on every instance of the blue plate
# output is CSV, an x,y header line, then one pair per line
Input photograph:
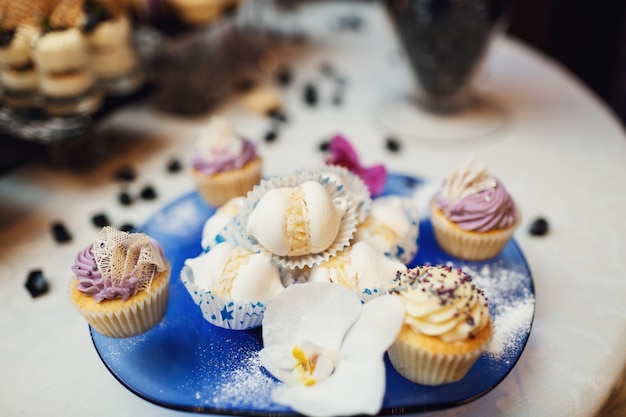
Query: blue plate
x,y
185,363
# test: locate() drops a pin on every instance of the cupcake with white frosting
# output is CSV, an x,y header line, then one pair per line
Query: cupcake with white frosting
x,y
446,325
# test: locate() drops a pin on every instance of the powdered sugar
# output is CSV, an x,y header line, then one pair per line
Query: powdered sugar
x,y
511,305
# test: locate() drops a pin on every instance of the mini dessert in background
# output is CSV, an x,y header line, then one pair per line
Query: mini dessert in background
x,y
231,285
446,325
473,215
18,75
263,100
121,283
342,153
112,55
359,267
225,165
392,227
214,227
200,12
66,80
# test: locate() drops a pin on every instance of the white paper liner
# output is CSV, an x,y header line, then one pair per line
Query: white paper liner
x,y
222,311
346,230
351,182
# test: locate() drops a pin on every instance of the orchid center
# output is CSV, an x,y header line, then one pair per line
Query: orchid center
x,y
313,363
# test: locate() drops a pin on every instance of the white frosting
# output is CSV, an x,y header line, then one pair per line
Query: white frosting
x,y
217,138
443,302
216,223
469,179
294,221
386,224
234,272
61,50
358,267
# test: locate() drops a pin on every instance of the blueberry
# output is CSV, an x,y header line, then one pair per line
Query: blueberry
x,y
539,227
270,136
60,233
393,144
125,198
36,284
174,166
284,77
277,115
310,94
148,193
100,220
125,174
127,227
324,146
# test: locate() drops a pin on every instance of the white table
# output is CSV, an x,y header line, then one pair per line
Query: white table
x,y
561,153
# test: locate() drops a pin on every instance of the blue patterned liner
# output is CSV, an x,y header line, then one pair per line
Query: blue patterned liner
x,y
222,311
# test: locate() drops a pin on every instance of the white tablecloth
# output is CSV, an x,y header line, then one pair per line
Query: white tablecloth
x,y
561,153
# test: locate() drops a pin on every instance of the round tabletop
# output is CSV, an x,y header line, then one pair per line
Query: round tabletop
x,y
559,150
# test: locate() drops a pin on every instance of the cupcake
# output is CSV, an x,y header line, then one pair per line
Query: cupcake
x,y
359,267
446,325
473,215
392,227
231,285
121,283
225,165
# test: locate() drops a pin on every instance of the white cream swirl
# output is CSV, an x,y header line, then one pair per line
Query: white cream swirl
x,y
470,179
218,140
443,302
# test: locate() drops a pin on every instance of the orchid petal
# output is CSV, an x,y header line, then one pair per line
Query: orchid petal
x,y
356,387
375,178
342,153
376,329
312,312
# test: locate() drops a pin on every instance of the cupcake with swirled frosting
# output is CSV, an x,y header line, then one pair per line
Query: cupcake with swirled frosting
x,y
225,165
121,283
446,325
473,215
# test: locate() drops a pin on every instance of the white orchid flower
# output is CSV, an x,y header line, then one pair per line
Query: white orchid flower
x,y
328,348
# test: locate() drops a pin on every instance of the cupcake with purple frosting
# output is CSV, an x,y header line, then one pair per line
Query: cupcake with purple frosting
x,y
121,283
225,165
473,215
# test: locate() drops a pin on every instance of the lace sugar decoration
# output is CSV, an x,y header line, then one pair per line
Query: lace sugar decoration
x,y
120,256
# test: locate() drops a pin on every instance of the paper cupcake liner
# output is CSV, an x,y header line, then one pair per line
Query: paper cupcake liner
x,y
429,368
467,245
222,311
349,181
217,189
346,229
133,317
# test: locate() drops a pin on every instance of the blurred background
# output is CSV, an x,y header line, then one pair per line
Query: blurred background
x,y
587,37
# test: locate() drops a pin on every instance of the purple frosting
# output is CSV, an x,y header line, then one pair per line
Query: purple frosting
x,y
225,161
90,280
491,209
